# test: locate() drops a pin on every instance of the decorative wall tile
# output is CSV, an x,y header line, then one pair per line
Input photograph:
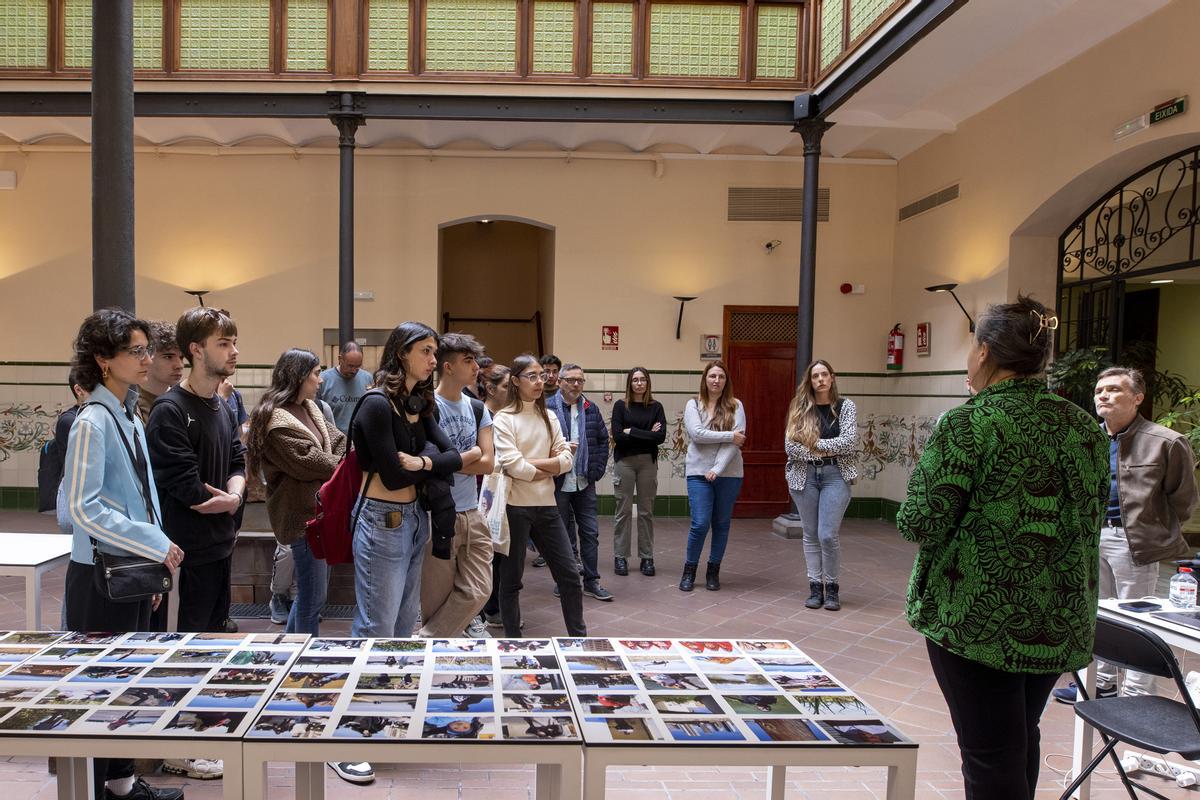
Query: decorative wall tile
x,y
832,16
24,427
225,34
147,34
308,35
553,37
778,35
695,39
471,36
387,39
612,38
24,33
863,14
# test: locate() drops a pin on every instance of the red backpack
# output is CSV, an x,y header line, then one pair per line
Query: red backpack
x,y
331,532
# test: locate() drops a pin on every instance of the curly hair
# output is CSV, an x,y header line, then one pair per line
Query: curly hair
x,y
103,334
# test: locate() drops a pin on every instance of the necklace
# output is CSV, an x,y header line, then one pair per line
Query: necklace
x,y
213,403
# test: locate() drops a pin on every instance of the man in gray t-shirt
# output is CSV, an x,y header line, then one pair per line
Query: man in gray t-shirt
x,y
343,385
454,590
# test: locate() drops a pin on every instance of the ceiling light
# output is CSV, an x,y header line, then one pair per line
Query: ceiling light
x,y
1165,280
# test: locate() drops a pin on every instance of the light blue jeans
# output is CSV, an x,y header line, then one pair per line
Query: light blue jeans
x,y
387,569
312,582
822,505
710,504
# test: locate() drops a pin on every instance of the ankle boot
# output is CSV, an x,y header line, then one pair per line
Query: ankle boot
x,y
712,577
832,601
688,581
816,595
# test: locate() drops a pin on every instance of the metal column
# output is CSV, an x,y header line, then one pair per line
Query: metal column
x,y
811,130
346,112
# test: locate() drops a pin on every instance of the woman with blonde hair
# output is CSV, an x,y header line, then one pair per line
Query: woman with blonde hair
x,y
821,442
716,427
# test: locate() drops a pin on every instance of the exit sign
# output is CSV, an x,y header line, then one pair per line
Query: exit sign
x,y
1167,110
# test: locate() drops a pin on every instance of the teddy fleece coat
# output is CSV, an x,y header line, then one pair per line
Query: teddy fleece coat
x,y
294,464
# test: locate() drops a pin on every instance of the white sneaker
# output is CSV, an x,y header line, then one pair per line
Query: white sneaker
x,y
354,772
477,629
198,768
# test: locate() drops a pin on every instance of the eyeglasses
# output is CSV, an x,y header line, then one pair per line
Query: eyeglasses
x,y
533,377
572,381
140,352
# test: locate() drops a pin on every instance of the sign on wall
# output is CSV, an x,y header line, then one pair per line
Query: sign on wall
x,y
922,338
710,347
610,337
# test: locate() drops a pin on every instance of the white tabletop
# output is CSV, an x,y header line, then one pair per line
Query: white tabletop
x,y
1176,635
32,549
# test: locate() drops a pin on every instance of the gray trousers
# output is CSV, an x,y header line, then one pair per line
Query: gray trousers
x,y
822,505
1124,580
635,477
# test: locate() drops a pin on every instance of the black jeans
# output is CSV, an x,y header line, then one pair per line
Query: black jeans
x,y
88,610
578,512
996,716
492,607
204,596
543,526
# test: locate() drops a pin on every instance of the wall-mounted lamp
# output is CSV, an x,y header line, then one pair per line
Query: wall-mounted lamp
x,y
198,294
771,245
679,322
950,287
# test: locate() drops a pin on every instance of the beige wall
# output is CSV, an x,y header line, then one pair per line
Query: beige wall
x,y
1179,331
1028,165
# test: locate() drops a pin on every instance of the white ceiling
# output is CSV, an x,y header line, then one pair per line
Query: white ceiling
x,y
984,52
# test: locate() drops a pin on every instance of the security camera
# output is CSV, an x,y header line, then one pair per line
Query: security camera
x,y
771,245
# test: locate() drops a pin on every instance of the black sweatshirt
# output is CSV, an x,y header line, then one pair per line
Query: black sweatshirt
x,y
639,418
194,441
380,433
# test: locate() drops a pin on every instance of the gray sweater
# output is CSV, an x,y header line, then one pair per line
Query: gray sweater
x,y
709,450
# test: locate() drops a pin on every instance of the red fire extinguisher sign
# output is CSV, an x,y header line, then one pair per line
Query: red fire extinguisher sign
x,y
895,348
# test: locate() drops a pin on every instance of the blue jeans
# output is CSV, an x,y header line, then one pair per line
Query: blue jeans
x,y
711,504
822,505
387,568
312,582
578,512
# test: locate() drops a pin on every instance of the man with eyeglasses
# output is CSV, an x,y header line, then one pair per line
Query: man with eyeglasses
x,y
551,367
582,425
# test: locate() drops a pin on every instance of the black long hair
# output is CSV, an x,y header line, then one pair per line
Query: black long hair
x,y
390,377
102,334
291,370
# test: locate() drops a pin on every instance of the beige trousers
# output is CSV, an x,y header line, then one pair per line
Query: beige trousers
x,y
453,591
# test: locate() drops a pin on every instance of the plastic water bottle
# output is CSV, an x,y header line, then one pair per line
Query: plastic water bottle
x,y
1183,589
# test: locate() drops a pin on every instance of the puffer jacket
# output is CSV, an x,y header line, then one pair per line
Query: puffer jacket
x,y
294,464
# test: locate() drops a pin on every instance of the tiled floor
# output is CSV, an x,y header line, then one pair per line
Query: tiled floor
x,y
867,644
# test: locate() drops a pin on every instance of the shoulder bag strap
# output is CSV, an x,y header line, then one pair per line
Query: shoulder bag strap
x,y
140,468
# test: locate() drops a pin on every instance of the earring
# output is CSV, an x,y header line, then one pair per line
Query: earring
x,y
104,372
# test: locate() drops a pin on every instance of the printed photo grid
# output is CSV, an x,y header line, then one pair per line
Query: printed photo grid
x,y
422,689
735,691
195,685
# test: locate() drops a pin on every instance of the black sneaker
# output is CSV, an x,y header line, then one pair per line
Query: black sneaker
x,y
353,771
1069,694
144,791
594,589
540,561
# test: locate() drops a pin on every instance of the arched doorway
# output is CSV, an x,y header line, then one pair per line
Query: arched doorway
x,y
496,282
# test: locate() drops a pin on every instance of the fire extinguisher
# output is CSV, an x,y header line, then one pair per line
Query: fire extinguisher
x,y
895,351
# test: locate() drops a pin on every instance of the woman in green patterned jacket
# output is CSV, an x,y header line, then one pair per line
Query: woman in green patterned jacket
x,y
1005,505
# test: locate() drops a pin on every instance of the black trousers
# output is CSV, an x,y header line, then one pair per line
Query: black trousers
x,y
89,610
544,527
996,716
204,596
492,606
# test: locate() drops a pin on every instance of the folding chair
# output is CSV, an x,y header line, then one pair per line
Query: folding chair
x,y
1149,723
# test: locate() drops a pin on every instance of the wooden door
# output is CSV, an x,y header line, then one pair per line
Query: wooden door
x,y
764,378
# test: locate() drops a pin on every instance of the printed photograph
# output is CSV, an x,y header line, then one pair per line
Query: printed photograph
x,y
226,698
700,647
42,719
17,653
76,697
464,663
190,656
459,703
785,730
690,729
171,676
89,638
322,660
106,674
539,728
40,673
388,681
741,680
830,705
154,637
365,727
315,702
289,727
155,696
536,703
595,663
585,645
396,662
73,655
398,646
31,637
523,645
613,704
132,655
461,680
806,682
528,662
860,731
279,638
260,658
759,703
458,728
618,729
753,646
111,720
531,681
723,664
686,704
216,638
311,679
784,663
673,681
19,695
460,645
591,681
250,676
207,722
382,703
663,663
337,645
646,645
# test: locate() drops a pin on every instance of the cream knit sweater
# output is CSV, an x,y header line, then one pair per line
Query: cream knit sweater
x,y
521,435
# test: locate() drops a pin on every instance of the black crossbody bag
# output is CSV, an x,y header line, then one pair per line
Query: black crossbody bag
x,y
129,579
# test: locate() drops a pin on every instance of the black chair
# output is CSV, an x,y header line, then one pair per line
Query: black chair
x,y
1149,723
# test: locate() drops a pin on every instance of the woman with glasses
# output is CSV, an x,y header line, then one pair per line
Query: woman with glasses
x,y
820,442
716,427
492,388
112,500
531,450
639,427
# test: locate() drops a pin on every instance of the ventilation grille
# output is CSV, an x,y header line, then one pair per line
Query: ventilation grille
x,y
932,201
762,326
773,204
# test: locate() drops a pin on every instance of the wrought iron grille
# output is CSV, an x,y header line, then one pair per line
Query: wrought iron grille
x,y
759,326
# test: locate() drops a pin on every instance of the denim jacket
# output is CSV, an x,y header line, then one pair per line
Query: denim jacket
x,y
102,489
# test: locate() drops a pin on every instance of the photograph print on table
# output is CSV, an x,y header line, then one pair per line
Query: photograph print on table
x,y
531,682
155,696
41,638
860,731
314,702
702,729
191,655
225,698
391,661
20,695
528,662
532,646
275,726
39,673
755,681
463,703
814,681
707,664
337,645
458,727
660,663
594,663
18,653
614,704
708,646
459,645
830,705
260,658
44,720
618,729
76,697
210,723
389,682
312,679
133,655
541,728
112,720
371,727
322,660
398,646
782,729
791,663
766,646
604,681
536,703
106,675
174,676
71,654
382,703
647,645
584,645
243,676
461,680
153,637
686,704
759,704
673,681
463,663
